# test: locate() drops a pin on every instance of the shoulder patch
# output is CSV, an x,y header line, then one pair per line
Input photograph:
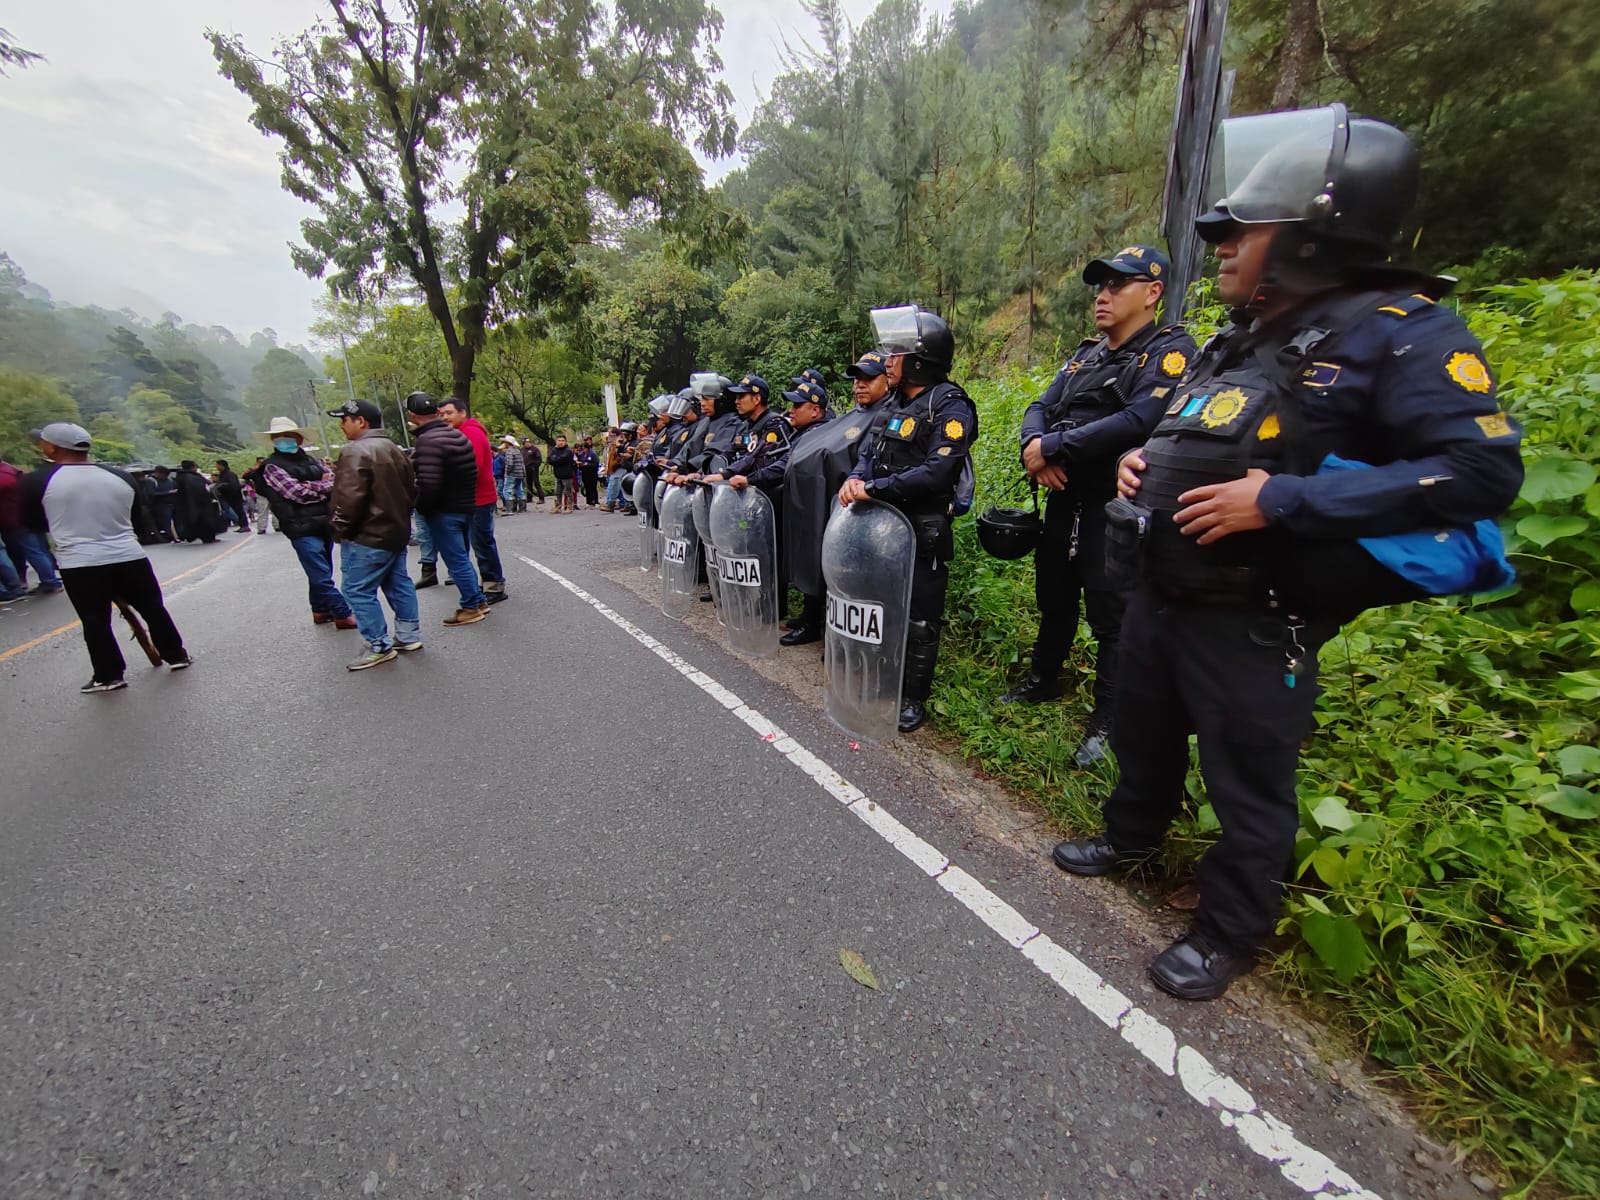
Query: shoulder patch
x,y
1494,425
1174,363
772,435
955,430
1466,370
1320,374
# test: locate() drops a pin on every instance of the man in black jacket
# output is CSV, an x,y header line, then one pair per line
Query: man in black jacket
x,y
297,486
196,512
231,492
447,487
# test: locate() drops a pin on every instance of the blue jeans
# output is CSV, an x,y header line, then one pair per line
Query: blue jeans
x,y
10,582
450,532
425,550
511,490
29,549
316,559
483,545
614,489
363,570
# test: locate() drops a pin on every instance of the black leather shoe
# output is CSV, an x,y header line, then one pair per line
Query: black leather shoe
x,y
913,716
1096,742
801,635
794,622
1193,969
1034,689
1093,856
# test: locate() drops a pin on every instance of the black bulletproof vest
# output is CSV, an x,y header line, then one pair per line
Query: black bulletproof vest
x,y
1099,387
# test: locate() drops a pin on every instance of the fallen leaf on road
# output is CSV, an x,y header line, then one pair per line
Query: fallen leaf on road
x,y
856,967
393,1164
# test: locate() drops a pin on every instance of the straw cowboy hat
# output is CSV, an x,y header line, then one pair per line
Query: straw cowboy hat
x,y
284,425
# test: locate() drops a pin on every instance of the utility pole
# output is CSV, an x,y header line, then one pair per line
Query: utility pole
x,y
345,355
1203,95
322,429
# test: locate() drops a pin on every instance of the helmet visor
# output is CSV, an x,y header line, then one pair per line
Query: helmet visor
x,y
706,383
896,329
677,406
1272,167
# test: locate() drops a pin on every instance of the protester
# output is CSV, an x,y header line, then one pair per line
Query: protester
x,y
484,547
374,488
512,490
195,514
615,469
497,464
589,472
563,464
230,490
23,547
87,509
163,494
532,459
297,487
447,490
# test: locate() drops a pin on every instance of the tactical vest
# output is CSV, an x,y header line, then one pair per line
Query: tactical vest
x,y
1237,411
905,439
720,441
1099,388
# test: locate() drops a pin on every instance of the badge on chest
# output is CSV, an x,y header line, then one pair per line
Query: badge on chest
x,y
1226,412
902,427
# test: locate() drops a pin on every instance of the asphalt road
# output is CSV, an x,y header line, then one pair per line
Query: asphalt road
x,y
533,914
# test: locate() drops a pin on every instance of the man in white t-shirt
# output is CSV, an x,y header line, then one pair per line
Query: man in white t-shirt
x,y
87,508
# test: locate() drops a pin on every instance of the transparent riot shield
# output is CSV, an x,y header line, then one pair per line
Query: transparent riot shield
x,y
655,508
867,554
700,506
643,493
680,552
744,529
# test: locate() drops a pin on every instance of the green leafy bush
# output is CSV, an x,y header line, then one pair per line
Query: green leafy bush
x,y
1447,899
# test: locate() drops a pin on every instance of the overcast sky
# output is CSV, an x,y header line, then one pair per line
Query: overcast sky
x,y
133,176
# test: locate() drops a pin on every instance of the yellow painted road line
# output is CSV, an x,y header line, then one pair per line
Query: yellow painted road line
x,y
45,637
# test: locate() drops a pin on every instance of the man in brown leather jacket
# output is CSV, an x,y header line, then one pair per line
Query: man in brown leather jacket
x,y
374,490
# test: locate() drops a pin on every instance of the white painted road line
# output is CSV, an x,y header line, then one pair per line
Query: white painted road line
x,y
1310,1171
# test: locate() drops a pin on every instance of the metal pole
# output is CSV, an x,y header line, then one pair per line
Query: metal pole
x,y
345,355
322,430
400,415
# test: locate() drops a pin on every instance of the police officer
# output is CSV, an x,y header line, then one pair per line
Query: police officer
x,y
1102,403
1251,561
809,411
763,441
915,463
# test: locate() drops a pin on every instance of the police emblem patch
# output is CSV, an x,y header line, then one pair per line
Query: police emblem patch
x,y
1494,425
772,435
955,430
1173,363
907,425
1223,408
1320,374
1468,371
852,433
1155,270
944,451
1269,428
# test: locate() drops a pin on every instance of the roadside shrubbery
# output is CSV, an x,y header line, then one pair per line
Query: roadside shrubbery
x,y
1448,893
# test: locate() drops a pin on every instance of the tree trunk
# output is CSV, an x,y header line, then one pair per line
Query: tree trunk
x,y
1298,54
462,357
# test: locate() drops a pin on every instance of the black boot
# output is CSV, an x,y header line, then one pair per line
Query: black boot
x,y
430,575
922,655
1096,739
1034,688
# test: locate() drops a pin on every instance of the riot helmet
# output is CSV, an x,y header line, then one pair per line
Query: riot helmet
x,y
1349,179
658,406
1009,533
924,338
679,405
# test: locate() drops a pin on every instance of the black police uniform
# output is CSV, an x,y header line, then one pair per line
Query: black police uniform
x,y
915,463
1101,404
1221,640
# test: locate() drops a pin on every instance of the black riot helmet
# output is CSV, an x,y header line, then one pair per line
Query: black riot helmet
x,y
1010,533
923,337
678,407
1345,182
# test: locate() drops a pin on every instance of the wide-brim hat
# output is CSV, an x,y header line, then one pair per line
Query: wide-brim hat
x,y
284,425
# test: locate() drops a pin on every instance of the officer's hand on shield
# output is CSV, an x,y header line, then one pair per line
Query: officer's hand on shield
x,y
716,478
1218,509
738,483
1129,467
853,490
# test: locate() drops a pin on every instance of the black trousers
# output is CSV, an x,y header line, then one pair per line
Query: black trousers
x,y
591,486
92,590
1218,673
1063,580
535,484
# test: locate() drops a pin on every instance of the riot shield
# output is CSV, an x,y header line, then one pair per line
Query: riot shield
x,y
701,507
655,509
680,552
867,554
744,530
643,492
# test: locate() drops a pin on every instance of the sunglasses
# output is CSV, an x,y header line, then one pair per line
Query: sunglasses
x,y
1117,283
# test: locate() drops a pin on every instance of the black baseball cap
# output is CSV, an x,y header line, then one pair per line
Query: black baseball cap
x,y
422,404
809,375
869,366
755,384
366,409
808,393
1129,261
